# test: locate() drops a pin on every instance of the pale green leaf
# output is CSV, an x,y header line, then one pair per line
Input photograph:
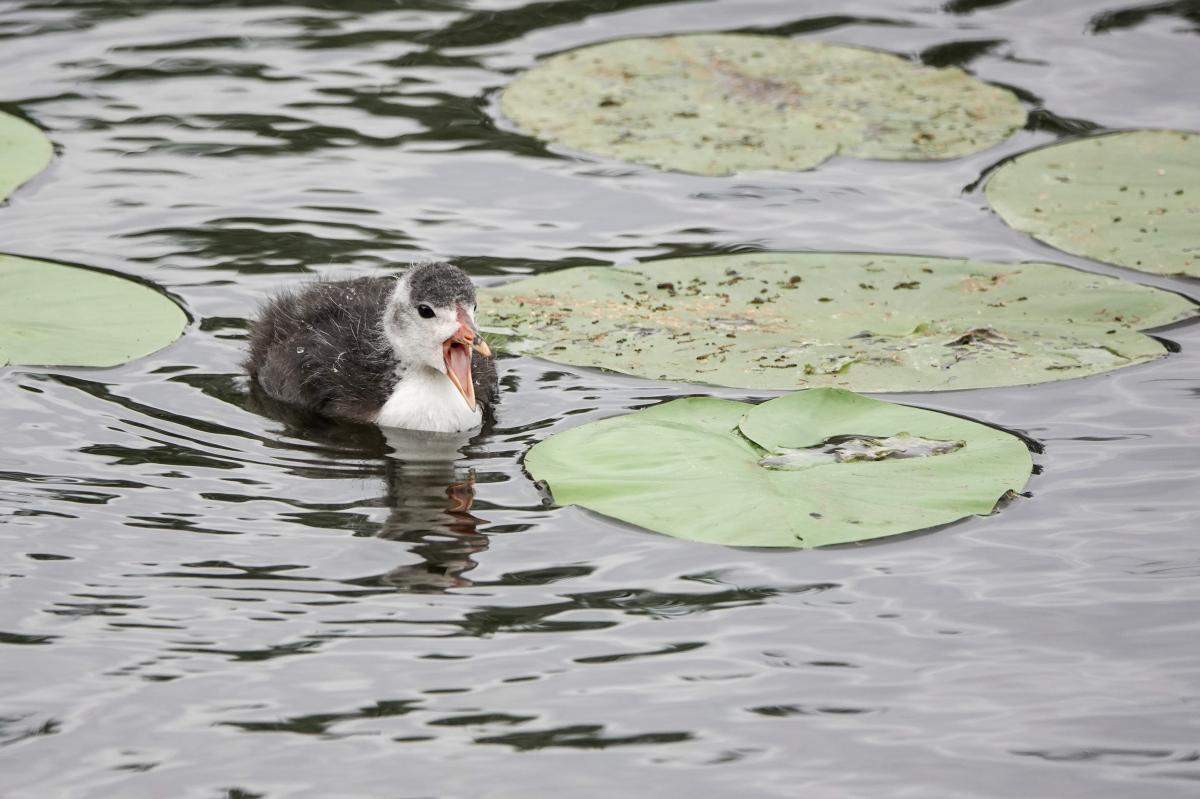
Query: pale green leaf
x,y
24,152
703,469
715,104
1131,199
858,321
57,315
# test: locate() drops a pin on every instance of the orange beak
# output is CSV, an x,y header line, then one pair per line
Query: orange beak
x,y
456,353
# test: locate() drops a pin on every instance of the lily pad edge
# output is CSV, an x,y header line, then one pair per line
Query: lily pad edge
x,y
38,140
500,337
985,180
175,299
1032,448
506,122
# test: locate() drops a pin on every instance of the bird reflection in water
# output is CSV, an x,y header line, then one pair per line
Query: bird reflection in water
x,y
430,493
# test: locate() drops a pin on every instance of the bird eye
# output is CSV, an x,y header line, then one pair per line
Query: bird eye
x,y
425,311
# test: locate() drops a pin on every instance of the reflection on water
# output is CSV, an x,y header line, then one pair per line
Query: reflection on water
x,y
430,496
430,493
185,567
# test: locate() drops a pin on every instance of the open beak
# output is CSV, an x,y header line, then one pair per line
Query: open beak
x,y
456,352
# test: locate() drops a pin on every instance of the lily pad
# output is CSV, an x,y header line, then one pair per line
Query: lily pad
x,y
57,315
709,469
859,321
1131,199
715,104
24,152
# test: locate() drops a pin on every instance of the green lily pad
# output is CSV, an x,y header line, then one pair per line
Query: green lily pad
x,y
57,315
1131,199
778,474
859,321
719,104
24,152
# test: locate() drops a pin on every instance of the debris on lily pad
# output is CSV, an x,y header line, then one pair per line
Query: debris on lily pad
x,y
24,152
57,315
860,321
847,448
709,469
1131,199
716,104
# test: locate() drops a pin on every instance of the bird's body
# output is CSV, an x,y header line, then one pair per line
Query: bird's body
x,y
394,351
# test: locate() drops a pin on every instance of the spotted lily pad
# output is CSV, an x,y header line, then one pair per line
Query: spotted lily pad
x,y
719,104
1131,199
859,321
57,315
24,152
730,473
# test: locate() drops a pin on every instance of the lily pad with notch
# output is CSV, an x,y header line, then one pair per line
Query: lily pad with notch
x,y
715,104
1131,198
24,152
811,468
52,314
859,321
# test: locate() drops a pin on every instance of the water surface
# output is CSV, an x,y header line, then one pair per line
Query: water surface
x,y
202,601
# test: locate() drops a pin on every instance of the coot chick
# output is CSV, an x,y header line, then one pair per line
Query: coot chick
x,y
401,351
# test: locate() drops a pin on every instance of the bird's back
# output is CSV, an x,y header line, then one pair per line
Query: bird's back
x,y
323,348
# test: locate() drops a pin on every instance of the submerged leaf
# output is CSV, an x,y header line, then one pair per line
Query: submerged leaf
x,y
707,469
865,322
57,315
715,104
1131,199
24,152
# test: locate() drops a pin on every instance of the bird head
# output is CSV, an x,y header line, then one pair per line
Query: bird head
x,y
430,322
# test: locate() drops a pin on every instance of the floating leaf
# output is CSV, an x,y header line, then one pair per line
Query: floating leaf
x,y
24,151
859,321
1131,199
719,104
57,315
709,469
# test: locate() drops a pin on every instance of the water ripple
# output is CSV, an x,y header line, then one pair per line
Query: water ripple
x,y
187,568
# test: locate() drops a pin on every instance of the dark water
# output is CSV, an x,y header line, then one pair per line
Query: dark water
x,y
199,601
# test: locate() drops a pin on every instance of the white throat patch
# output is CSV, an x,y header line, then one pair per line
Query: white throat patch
x,y
425,399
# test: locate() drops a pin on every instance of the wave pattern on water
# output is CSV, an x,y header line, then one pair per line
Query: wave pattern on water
x,y
209,596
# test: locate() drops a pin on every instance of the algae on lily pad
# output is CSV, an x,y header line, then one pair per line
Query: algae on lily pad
x,y
24,152
715,104
57,315
1131,199
811,468
859,321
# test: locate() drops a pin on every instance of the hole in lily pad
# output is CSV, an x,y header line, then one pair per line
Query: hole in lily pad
x,y
960,324
24,152
57,315
730,473
719,104
1131,199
